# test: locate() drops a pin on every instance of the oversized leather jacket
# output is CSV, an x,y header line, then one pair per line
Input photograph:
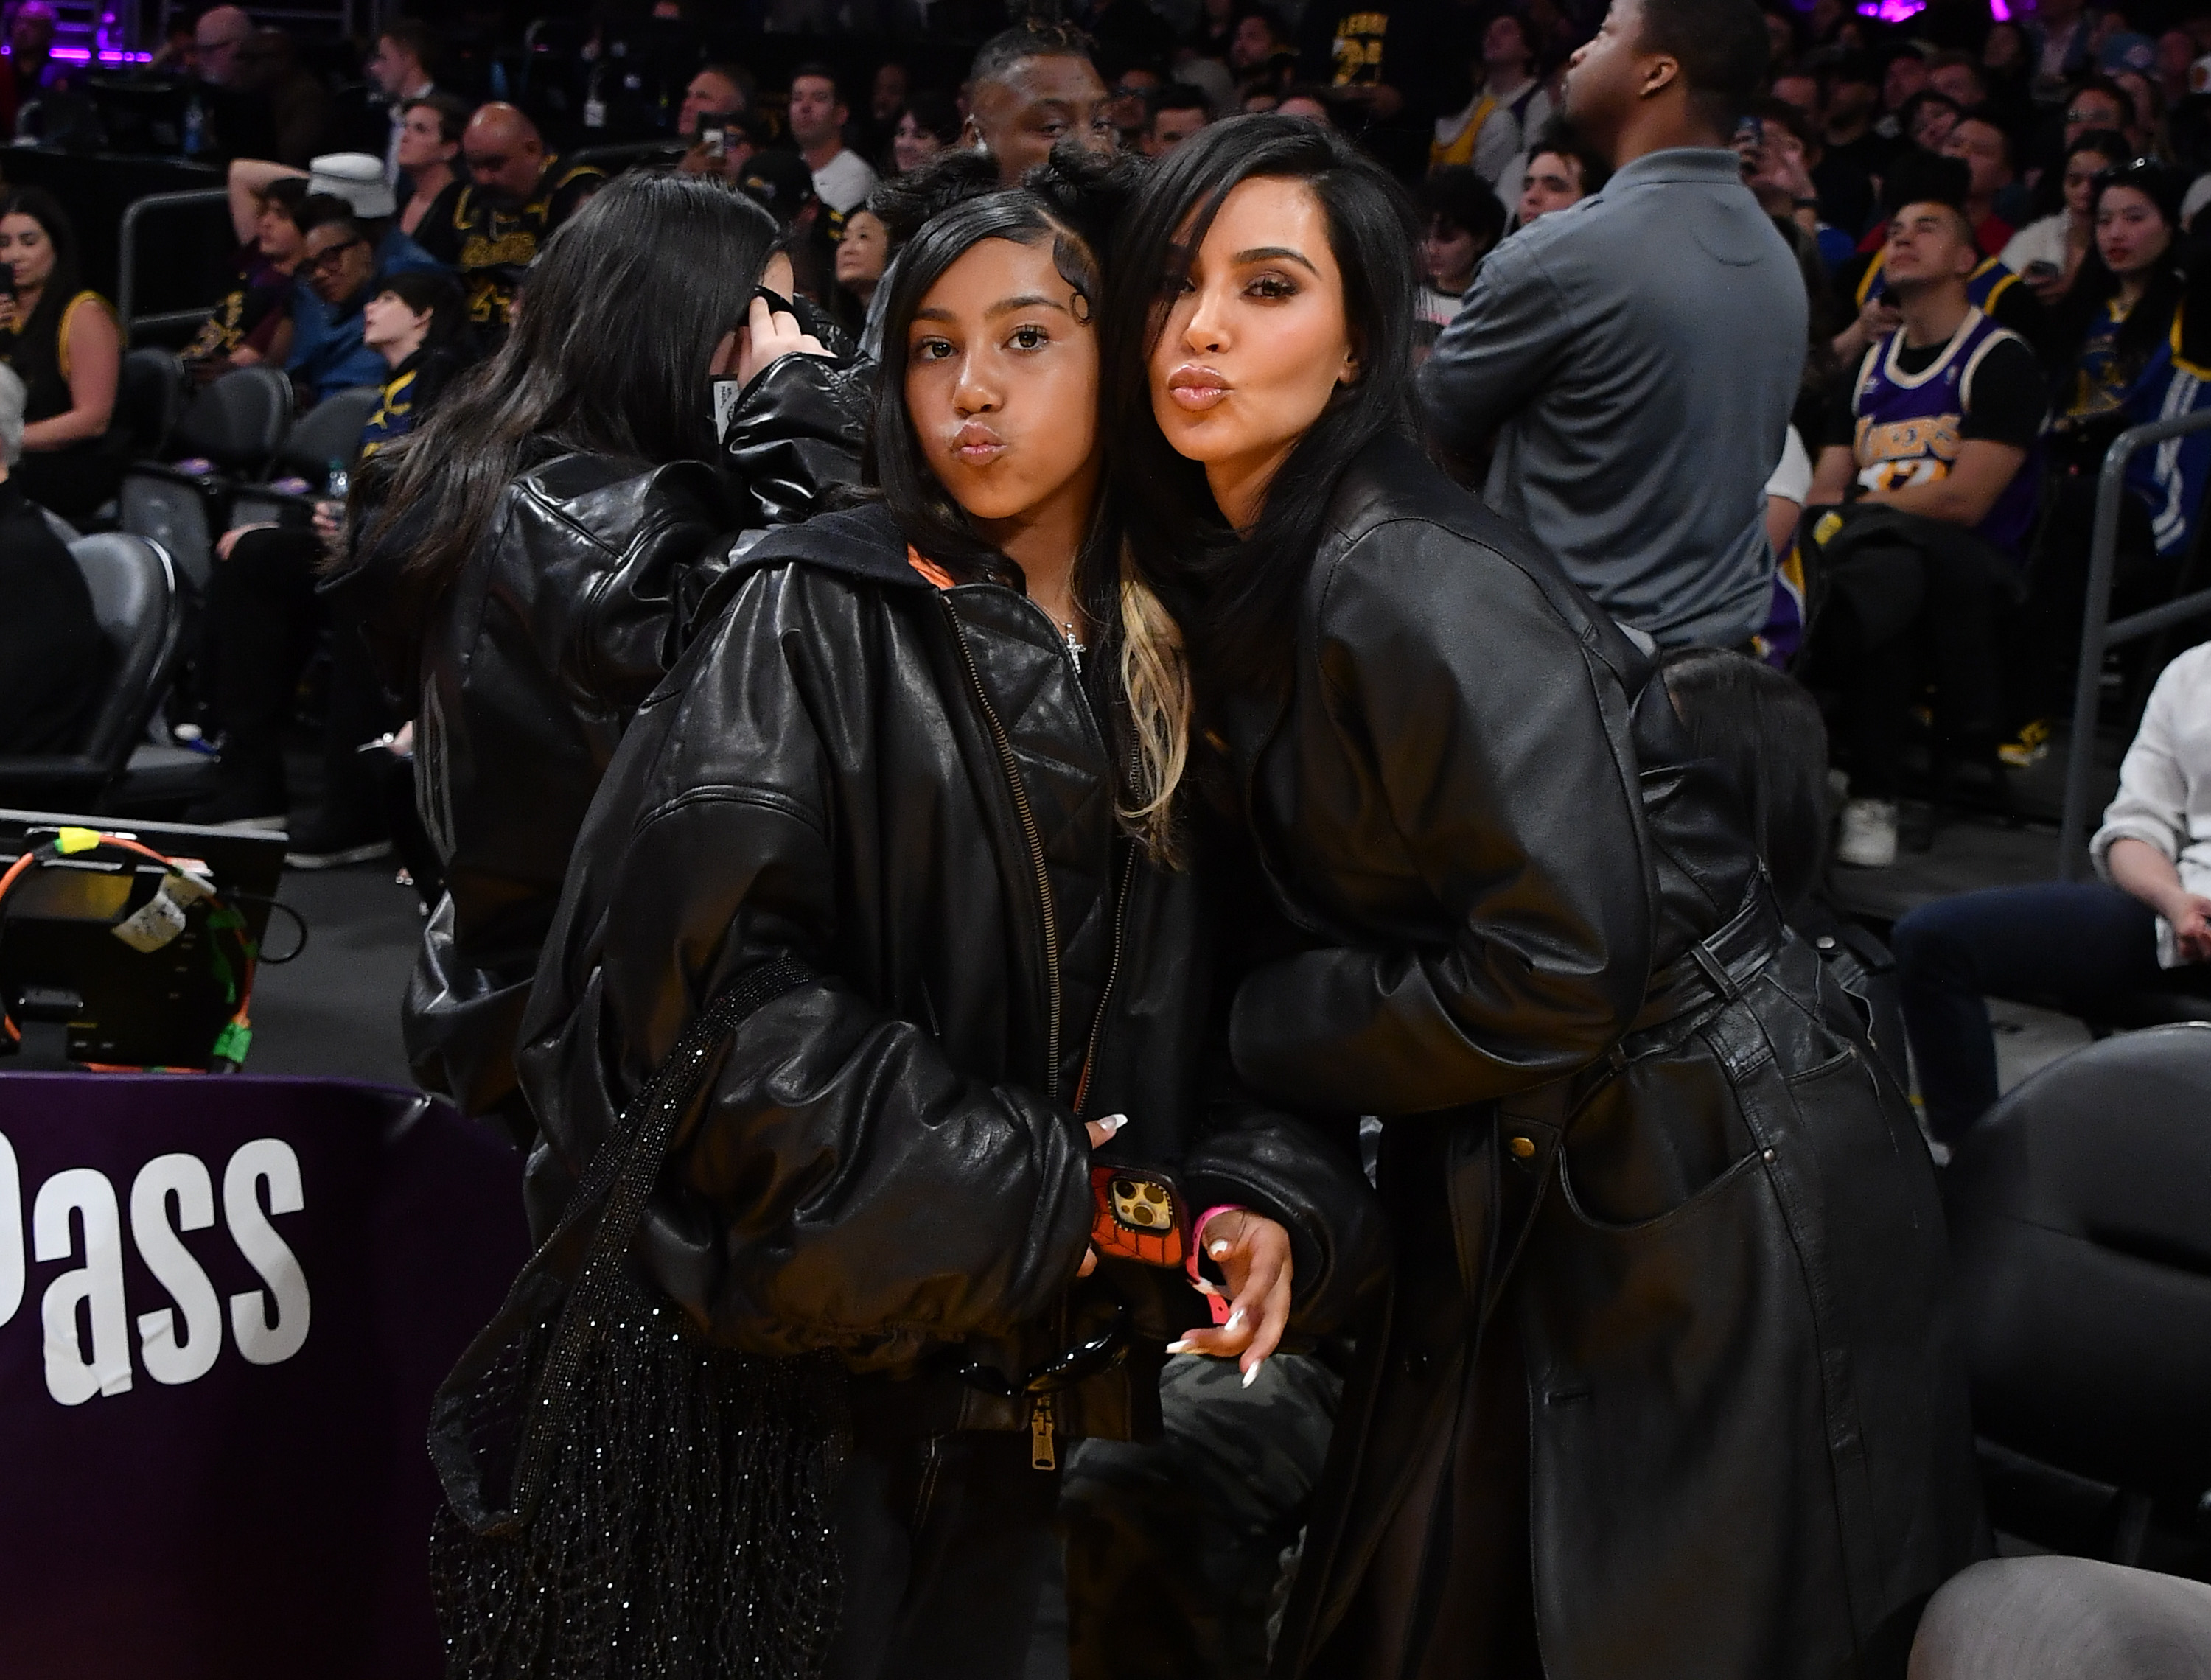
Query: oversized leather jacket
x,y
904,793
528,669
1628,1125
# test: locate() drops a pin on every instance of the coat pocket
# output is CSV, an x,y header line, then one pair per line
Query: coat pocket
x,y
1677,1421
1699,1204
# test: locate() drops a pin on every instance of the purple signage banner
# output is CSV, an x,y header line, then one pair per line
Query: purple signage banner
x,y
225,1303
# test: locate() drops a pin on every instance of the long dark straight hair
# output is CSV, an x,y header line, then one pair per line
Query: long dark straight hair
x,y
1135,666
612,355
37,346
1766,733
2150,320
1239,596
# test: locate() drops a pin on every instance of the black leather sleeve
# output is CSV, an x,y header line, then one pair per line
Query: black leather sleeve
x,y
844,1187
1487,745
637,621
795,436
1305,1175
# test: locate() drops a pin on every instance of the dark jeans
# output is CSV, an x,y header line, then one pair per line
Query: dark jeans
x,y
1966,591
949,1555
2067,946
264,618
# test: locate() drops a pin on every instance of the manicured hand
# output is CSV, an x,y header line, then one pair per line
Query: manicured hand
x,y
1253,1253
1098,1131
769,336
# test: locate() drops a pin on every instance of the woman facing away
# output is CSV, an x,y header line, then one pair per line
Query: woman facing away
x,y
919,785
1666,1385
530,560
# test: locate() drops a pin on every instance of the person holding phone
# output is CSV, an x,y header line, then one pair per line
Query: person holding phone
x,y
2047,253
532,560
63,341
922,783
1669,1261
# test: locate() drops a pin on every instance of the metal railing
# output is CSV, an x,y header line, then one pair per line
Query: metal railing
x,y
2098,634
126,256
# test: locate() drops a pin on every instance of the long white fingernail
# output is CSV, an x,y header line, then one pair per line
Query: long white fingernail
x,y
1220,1249
1114,1122
1235,1320
1252,1375
1178,1347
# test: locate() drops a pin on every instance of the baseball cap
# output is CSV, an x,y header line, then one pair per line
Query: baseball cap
x,y
355,176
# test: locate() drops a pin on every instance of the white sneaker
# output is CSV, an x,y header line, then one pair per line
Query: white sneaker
x,y
1867,840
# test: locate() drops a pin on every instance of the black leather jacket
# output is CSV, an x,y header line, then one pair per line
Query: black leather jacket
x,y
1628,1125
528,669
907,792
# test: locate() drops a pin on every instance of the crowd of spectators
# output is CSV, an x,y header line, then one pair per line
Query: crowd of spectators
x,y
1851,421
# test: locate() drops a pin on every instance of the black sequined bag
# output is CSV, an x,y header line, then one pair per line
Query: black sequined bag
x,y
624,1498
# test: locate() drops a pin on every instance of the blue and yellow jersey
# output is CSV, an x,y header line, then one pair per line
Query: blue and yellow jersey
x,y
1985,287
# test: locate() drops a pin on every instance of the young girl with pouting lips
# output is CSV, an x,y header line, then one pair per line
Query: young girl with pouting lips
x,y
1669,1278
919,786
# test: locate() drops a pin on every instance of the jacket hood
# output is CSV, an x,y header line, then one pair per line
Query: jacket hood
x,y
860,542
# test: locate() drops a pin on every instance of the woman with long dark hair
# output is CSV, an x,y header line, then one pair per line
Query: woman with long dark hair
x,y
919,790
1670,1255
2131,344
64,345
531,562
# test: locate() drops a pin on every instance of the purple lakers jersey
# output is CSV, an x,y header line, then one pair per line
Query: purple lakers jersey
x,y
1910,425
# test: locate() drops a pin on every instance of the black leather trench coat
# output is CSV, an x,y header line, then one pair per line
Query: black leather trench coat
x,y
1668,1336
523,676
908,792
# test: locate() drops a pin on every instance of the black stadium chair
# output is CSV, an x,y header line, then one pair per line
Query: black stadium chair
x,y
150,399
331,431
238,424
134,594
2080,1225
2130,1012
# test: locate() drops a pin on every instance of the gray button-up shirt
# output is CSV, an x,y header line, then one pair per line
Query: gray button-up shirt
x,y
1638,356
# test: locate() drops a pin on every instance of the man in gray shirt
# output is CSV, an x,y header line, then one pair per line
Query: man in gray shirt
x,y
1636,355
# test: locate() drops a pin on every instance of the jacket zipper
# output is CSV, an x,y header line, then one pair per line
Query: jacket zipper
x,y
1041,1425
1036,854
1112,973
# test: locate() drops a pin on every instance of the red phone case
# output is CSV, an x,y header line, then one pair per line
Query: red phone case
x,y
1137,1214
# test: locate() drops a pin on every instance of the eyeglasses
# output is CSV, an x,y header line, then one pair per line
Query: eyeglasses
x,y
329,259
